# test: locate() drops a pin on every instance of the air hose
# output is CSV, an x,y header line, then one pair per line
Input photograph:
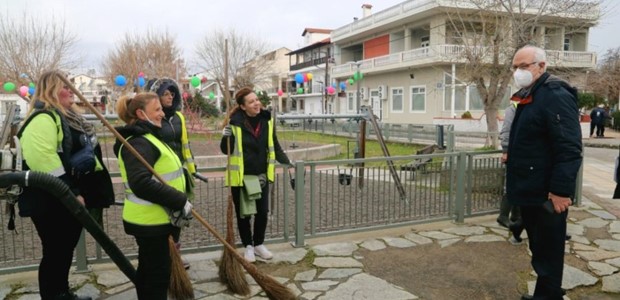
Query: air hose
x,y
61,191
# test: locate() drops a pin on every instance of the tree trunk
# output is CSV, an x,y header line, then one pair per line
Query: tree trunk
x,y
492,127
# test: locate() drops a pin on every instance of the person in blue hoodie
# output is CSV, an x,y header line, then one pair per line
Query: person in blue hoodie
x,y
541,171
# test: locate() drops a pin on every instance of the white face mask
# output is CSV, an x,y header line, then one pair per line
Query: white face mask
x,y
523,78
149,120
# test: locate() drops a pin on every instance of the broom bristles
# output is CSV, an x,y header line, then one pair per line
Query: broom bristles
x,y
230,271
180,284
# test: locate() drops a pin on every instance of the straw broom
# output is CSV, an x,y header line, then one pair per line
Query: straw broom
x,y
180,287
230,272
274,289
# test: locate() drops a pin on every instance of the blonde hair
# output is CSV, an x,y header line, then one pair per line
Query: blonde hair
x,y
126,106
48,87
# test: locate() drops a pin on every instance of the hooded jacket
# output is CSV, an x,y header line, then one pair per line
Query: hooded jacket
x,y
171,125
255,149
545,143
140,179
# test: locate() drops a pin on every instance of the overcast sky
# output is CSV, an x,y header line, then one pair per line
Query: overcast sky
x,y
100,23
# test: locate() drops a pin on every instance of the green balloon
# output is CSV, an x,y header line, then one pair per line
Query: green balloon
x,y
195,81
360,76
300,90
356,76
211,96
9,87
31,84
351,81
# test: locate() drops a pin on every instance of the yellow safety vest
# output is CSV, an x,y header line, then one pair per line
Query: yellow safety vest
x,y
143,212
234,176
187,153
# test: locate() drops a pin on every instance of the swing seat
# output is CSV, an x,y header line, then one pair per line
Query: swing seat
x,y
419,163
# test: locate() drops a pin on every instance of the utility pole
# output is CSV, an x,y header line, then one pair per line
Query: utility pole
x,y
358,96
326,82
226,90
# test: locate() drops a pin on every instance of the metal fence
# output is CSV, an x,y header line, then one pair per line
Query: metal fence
x,y
330,197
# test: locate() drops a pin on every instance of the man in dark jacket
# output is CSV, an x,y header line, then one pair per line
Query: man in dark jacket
x,y
545,156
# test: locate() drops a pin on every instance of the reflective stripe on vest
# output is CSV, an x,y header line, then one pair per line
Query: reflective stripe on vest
x,y
234,176
143,212
187,153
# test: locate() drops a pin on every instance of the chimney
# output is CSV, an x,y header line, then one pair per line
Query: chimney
x,y
366,10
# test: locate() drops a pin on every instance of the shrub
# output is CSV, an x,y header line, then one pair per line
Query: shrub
x,y
466,115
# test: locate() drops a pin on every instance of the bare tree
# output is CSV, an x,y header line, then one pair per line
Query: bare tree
x,y
605,82
154,53
246,65
490,32
29,46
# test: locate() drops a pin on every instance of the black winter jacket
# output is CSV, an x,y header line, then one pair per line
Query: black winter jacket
x,y
140,179
170,132
255,150
545,143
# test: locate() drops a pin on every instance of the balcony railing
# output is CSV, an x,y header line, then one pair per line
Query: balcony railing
x,y
453,54
306,64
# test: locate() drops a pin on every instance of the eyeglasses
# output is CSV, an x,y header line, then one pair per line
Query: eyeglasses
x,y
523,66
168,93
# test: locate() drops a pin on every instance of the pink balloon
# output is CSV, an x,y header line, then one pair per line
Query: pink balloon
x,y
331,90
141,74
306,77
23,90
280,93
203,79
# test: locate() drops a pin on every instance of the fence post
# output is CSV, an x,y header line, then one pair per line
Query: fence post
x,y
300,196
80,255
440,137
578,187
460,188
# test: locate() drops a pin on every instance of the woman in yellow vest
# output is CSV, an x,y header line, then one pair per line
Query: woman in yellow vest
x,y
52,133
149,203
254,150
174,132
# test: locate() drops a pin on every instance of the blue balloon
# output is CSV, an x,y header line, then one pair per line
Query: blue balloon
x,y
31,90
141,81
343,86
120,80
299,78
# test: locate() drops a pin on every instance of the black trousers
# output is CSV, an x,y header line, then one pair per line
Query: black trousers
x,y
260,219
59,232
547,234
153,274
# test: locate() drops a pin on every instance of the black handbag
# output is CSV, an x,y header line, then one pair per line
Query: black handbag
x,y
83,161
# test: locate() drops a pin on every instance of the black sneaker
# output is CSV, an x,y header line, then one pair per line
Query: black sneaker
x,y
503,221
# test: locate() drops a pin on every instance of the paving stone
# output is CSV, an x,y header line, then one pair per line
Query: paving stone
x,y
120,288
88,290
126,295
339,273
611,245
501,231
305,276
438,235
319,285
337,262
292,257
31,287
310,295
603,214
29,297
601,269
4,290
614,227
210,287
205,270
484,238
597,255
219,297
611,284
614,262
335,249
573,277
583,247
373,245
615,236
418,239
399,242
281,280
76,280
364,286
449,242
466,230
254,291
593,223
580,239
111,278
574,229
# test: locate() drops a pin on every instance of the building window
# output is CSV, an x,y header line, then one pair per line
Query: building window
x,y
425,41
566,44
418,98
351,105
397,100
